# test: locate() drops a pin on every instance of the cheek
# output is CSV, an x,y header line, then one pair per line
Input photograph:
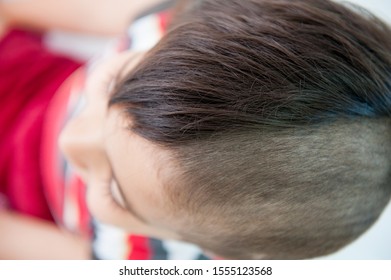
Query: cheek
x,y
100,202
136,173
104,207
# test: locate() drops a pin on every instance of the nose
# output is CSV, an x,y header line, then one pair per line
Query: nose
x,y
81,143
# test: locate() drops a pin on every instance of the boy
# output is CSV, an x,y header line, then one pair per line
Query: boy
x,y
254,129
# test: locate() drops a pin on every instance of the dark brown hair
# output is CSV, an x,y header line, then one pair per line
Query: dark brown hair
x,y
277,113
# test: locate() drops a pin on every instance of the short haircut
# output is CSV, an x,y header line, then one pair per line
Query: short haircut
x,y
277,113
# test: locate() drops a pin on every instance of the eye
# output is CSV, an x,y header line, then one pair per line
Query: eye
x,y
117,194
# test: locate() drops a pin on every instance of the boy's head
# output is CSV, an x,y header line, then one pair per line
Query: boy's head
x,y
265,124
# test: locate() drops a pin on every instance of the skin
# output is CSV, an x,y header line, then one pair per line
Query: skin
x,y
2,26
99,144
23,237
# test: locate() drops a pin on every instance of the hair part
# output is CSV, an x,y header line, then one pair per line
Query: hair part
x,y
277,114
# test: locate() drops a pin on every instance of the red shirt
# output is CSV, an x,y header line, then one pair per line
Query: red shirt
x,y
29,77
